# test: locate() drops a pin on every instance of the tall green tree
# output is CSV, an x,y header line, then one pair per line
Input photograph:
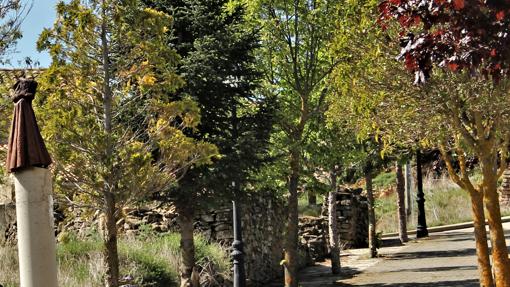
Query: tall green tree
x,y
295,37
12,14
332,149
358,90
105,110
219,67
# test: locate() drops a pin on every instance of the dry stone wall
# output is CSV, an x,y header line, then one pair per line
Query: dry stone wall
x,y
352,216
7,215
505,189
263,219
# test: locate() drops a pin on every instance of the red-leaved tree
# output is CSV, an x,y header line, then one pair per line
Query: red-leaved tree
x,y
472,38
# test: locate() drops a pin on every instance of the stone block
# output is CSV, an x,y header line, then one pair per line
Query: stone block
x,y
6,192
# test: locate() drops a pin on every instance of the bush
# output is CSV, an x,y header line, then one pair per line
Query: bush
x,y
384,180
305,209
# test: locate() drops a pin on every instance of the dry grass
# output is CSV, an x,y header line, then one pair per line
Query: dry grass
x,y
9,266
445,203
148,259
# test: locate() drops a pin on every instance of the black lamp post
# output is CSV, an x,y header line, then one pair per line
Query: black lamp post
x,y
421,229
237,247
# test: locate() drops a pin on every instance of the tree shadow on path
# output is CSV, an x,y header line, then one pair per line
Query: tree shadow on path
x,y
458,283
431,254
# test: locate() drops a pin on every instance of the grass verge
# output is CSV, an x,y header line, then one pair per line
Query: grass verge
x,y
148,260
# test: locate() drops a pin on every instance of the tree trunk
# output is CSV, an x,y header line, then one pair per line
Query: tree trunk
x,y
110,253
482,248
372,244
408,179
500,259
401,197
312,199
291,242
187,270
333,225
421,227
111,256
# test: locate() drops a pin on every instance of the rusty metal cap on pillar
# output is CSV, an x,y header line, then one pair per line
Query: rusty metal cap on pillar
x,y
26,146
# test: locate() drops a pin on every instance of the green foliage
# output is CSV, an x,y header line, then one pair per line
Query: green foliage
x,y
306,209
384,180
12,14
218,64
295,62
361,88
104,103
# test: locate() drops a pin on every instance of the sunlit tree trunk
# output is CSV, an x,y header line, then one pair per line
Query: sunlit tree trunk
x,y
111,257
110,253
291,242
408,184
372,238
334,245
185,219
482,248
500,259
401,199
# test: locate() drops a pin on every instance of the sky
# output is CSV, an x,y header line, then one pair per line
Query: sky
x,y
41,16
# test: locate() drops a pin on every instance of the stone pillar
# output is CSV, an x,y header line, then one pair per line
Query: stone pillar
x,y
36,239
505,189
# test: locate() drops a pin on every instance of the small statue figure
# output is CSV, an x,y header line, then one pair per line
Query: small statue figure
x,y
26,146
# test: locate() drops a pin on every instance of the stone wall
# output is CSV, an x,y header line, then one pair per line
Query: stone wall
x,y
7,224
352,215
263,221
7,215
504,190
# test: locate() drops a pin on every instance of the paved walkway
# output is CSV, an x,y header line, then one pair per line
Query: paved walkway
x,y
445,259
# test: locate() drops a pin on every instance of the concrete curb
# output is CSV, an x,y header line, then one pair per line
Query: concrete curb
x,y
443,228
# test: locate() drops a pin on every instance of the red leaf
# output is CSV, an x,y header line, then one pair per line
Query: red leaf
x,y
458,4
500,15
395,2
439,2
493,53
410,62
417,20
497,66
403,20
452,66
438,33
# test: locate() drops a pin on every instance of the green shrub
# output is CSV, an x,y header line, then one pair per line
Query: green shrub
x,y
384,180
309,210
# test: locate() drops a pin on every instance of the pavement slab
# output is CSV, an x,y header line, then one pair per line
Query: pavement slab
x,y
445,259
